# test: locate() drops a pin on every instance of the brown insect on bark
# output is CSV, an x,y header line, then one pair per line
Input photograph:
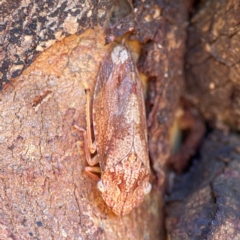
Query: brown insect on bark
x,y
120,131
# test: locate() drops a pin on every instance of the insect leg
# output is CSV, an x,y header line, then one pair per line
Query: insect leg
x,y
90,171
91,145
91,161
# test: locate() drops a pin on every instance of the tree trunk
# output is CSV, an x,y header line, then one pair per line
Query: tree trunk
x,y
205,201
45,193
212,62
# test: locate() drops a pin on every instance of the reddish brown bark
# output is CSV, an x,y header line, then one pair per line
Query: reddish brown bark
x,y
44,191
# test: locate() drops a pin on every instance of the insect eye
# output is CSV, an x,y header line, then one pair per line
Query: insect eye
x,y
101,186
148,189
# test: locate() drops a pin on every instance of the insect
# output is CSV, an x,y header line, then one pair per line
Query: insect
x,y
120,132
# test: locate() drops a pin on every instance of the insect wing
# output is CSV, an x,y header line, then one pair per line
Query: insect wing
x,y
140,124
118,110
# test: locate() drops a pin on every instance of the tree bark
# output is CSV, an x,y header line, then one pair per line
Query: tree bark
x,y
204,203
45,193
212,62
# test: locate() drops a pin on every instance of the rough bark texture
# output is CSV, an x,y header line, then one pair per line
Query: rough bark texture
x,y
205,202
29,27
162,61
44,191
212,61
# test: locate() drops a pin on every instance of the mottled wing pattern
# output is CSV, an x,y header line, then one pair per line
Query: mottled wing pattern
x,y
140,127
120,131
116,109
